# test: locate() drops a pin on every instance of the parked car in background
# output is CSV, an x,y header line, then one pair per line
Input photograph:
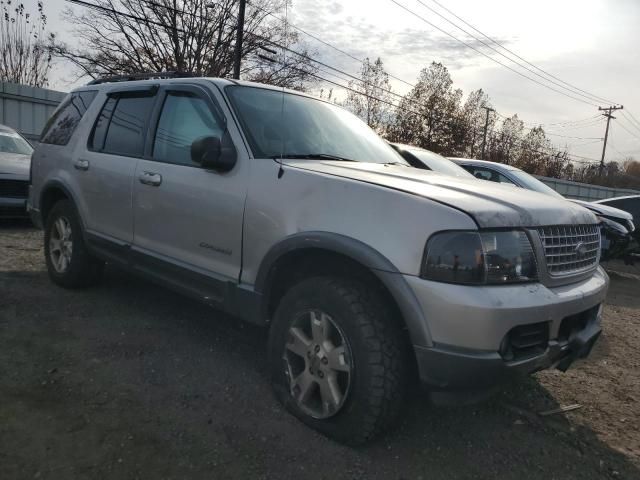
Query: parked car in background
x,y
618,226
15,160
629,203
420,158
290,212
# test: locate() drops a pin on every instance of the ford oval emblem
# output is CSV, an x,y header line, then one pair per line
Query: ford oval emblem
x,y
581,249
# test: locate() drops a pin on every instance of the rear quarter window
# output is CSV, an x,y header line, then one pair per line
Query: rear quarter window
x,y
60,127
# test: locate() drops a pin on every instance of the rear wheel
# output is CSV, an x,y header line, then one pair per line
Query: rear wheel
x,y
69,263
338,360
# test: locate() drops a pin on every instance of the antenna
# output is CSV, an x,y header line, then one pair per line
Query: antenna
x,y
284,62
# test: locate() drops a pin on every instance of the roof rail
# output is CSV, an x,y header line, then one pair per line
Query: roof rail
x,y
140,76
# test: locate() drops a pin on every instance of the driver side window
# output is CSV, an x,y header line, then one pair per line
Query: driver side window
x,y
185,117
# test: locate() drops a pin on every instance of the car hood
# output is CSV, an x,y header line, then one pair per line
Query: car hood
x,y
605,210
15,164
490,204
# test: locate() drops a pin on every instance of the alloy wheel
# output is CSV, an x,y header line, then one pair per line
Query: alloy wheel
x,y
319,364
61,245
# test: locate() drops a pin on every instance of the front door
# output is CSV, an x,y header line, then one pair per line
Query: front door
x,y
188,220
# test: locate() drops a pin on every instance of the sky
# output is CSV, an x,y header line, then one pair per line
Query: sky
x,y
591,44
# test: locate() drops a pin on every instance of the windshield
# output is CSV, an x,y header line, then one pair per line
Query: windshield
x,y
11,142
532,183
280,123
439,164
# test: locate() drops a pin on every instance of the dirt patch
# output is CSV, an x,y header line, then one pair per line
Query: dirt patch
x,y
21,246
128,380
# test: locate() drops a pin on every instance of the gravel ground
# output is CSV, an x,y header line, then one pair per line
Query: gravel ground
x,y
129,380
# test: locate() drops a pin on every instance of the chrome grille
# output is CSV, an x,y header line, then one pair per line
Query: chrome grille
x,y
570,249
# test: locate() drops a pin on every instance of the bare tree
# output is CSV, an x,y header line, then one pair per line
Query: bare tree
x,y
369,98
25,46
194,36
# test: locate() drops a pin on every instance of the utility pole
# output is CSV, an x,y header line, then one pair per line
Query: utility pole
x,y
239,34
486,126
606,132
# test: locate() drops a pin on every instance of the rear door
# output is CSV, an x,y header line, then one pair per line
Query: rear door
x,y
107,167
188,220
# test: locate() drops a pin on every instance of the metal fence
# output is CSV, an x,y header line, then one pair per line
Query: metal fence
x,y
584,191
26,109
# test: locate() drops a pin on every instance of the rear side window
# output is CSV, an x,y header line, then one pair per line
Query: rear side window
x,y
63,122
99,133
121,125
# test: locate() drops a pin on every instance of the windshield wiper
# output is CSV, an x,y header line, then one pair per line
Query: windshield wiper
x,y
317,156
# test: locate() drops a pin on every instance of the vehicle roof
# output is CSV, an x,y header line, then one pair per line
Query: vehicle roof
x,y
625,197
480,163
221,82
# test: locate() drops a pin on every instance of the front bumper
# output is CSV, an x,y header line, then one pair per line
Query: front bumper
x,y
13,207
13,195
471,326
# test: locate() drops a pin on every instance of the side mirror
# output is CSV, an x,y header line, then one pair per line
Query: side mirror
x,y
208,153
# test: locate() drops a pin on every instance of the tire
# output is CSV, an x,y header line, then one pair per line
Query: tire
x,y
375,355
63,238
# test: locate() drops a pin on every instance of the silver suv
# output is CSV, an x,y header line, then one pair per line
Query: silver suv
x,y
289,212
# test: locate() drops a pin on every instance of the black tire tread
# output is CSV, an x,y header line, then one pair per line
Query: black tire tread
x,y
385,358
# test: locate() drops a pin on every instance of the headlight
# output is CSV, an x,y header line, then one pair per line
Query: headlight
x,y
479,258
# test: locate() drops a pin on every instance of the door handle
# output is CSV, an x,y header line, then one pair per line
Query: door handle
x,y
150,178
81,164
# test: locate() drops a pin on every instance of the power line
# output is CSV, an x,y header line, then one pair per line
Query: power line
x,y
124,14
598,98
489,57
629,153
570,124
583,125
505,56
324,42
574,138
590,142
616,150
391,76
302,55
633,117
346,87
554,134
630,122
573,122
634,135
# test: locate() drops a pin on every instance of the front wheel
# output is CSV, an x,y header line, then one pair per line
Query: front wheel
x,y
69,263
338,360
